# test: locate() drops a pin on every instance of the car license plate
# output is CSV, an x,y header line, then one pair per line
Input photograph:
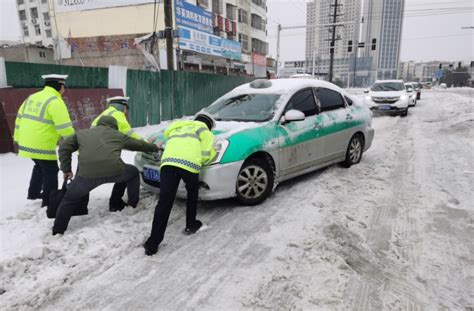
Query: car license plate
x,y
151,174
384,107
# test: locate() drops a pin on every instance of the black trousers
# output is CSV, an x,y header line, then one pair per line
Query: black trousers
x,y
169,182
44,177
81,186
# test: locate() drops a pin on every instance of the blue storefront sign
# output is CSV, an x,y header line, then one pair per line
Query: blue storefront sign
x,y
194,17
231,49
196,32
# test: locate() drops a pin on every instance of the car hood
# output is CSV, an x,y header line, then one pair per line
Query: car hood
x,y
223,129
387,94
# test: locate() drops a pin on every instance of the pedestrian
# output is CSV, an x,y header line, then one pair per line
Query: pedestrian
x,y
99,159
189,146
117,108
42,120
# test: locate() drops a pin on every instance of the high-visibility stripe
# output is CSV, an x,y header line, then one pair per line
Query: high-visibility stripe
x,y
63,126
129,133
19,116
17,127
35,118
45,105
205,153
111,112
188,135
38,151
200,130
182,162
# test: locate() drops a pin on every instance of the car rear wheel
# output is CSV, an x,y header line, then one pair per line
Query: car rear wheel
x,y
354,151
254,182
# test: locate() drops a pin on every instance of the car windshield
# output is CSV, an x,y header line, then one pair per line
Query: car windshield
x,y
245,107
387,86
409,88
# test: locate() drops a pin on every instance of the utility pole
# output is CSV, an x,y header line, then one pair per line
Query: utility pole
x,y
333,40
278,50
169,33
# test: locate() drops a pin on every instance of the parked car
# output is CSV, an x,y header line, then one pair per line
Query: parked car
x,y
269,131
418,88
388,96
443,85
411,94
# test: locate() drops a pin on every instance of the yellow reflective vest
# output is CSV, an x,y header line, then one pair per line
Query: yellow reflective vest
x,y
123,125
189,145
41,121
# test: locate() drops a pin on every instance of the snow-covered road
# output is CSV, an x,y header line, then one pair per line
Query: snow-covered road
x,y
394,232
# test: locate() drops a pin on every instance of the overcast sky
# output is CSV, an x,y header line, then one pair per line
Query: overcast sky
x,y
427,34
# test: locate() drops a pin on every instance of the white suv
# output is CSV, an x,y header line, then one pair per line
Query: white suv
x,y
388,96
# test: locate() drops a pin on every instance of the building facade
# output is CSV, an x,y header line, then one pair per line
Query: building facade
x,y
381,32
237,26
35,22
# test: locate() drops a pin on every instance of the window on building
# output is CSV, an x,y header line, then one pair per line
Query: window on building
x,y
20,2
374,44
244,41
259,46
243,16
44,1
46,16
48,33
260,3
257,22
304,102
229,8
37,30
329,99
26,33
42,54
22,14
203,3
34,12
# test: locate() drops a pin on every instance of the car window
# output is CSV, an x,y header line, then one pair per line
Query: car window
x,y
245,107
304,102
387,86
329,99
348,101
409,88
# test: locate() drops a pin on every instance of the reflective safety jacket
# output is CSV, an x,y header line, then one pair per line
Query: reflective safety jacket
x,y
123,125
190,145
41,121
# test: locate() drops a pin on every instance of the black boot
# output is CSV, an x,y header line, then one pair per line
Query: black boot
x,y
194,228
150,247
116,206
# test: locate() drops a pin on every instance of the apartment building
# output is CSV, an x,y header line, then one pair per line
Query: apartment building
x,y
35,22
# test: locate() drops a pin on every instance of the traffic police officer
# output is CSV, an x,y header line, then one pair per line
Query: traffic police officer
x,y
42,120
189,146
118,107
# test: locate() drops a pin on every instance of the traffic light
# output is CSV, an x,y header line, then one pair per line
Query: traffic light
x,y
331,50
459,64
374,44
349,46
440,66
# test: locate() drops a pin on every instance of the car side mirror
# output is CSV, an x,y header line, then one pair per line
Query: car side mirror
x,y
292,116
366,91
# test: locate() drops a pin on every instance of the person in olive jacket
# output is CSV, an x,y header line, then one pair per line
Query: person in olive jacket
x,y
99,163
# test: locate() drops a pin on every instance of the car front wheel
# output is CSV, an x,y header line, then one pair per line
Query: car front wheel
x,y
254,182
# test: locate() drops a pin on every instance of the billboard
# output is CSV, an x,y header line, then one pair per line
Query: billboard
x,y
195,27
82,5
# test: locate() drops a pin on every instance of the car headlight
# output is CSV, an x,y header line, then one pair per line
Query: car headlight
x,y
403,97
368,97
220,146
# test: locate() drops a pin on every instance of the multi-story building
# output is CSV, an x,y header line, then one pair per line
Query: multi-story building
x,y
238,27
318,38
381,32
35,23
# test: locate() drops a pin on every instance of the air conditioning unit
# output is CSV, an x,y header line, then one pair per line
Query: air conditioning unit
x,y
34,21
47,23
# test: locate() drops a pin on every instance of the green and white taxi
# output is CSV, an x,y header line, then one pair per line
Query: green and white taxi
x,y
269,131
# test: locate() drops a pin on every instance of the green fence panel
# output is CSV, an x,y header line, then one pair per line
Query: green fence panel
x,y
138,89
26,75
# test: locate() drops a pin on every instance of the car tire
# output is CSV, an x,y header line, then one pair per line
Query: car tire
x,y
404,113
354,151
254,182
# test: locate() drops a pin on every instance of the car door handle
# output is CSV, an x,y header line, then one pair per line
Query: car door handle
x,y
349,117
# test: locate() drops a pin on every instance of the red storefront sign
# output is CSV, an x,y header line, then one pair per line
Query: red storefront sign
x,y
227,25
220,23
259,59
234,27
